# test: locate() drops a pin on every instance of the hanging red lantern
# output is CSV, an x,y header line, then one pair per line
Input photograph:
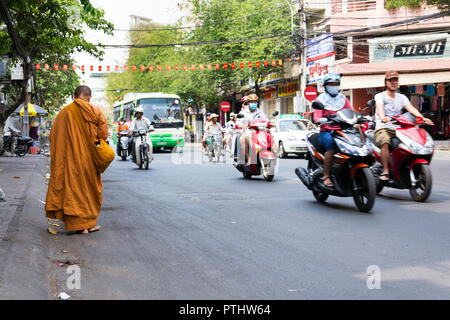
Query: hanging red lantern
x,y
185,67
108,68
159,68
266,63
65,67
74,67
38,66
193,67
233,65
125,68
280,62
225,66
201,67
241,65
168,68
46,66
100,68
82,68
133,68
55,67
274,63
150,68
117,68
91,68
177,67
209,67
250,64
217,66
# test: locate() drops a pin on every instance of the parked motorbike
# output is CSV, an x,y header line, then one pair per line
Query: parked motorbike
x,y
263,160
143,149
214,147
410,155
16,143
350,169
123,144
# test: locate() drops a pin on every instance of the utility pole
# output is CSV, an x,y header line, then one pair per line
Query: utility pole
x,y
303,27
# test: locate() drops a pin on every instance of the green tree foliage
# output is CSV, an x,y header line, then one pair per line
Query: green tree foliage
x,y
220,21
443,5
47,30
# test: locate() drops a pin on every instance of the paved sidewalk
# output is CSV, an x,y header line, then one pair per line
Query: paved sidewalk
x,y
24,243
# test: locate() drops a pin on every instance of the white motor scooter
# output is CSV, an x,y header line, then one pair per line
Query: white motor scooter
x,y
143,148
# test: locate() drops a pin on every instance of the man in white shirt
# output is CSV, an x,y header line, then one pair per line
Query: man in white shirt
x,y
390,103
139,123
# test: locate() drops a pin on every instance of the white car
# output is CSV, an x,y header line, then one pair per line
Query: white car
x,y
290,135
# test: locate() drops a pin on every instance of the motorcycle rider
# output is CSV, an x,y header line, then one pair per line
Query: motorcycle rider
x,y
139,123
390,103
251,112
212,128
122,126
207,120
229,126
333,101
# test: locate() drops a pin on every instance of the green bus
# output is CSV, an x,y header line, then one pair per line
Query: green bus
x,y
165,112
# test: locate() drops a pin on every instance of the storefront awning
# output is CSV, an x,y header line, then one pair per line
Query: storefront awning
x,y
377,80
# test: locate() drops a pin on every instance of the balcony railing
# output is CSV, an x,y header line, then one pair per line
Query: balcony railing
x,y
338,6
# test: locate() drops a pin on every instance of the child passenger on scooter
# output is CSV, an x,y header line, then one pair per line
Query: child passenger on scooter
x,y
333,101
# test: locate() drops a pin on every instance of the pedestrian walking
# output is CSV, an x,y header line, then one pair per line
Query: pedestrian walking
x,y
75,189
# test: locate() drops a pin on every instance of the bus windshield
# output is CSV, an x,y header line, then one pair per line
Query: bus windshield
x,y
162,112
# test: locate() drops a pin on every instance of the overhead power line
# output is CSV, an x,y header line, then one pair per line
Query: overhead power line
x,y
165,45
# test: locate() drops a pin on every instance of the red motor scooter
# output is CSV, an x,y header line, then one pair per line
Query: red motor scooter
x,y
263,160
410,155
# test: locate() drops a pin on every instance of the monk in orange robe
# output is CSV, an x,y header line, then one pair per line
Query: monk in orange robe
x,y
75,189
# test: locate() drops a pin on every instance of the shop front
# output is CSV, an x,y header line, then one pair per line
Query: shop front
x,y
287,93
423,63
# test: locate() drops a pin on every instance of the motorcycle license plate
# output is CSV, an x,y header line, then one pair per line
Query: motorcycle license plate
x,y
161,143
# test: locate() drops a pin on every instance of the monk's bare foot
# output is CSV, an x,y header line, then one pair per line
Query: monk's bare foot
x,y
85,231
94,229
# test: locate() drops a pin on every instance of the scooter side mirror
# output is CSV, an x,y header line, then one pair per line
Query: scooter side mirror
x,y
371,103
240,116
317,105
275,113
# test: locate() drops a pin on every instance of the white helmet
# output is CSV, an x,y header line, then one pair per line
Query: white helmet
x,y
138,109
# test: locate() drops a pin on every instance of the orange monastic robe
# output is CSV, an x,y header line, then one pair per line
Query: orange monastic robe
x,y
75,189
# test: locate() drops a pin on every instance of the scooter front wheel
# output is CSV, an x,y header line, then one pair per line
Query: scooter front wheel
x,y
421,191
365,194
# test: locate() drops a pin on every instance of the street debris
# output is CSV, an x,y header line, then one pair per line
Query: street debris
x,y
47,176
63,296
65,251
16,177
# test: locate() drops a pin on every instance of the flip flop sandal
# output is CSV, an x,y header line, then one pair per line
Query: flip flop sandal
x,y
330,184
384,175
90,231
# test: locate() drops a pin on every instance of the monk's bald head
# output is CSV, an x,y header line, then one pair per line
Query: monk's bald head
x,y
83,92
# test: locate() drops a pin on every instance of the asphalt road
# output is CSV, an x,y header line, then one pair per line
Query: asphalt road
x,y
200,231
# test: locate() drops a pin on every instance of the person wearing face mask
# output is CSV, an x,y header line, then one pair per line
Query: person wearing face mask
x,y
333,101
252,112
